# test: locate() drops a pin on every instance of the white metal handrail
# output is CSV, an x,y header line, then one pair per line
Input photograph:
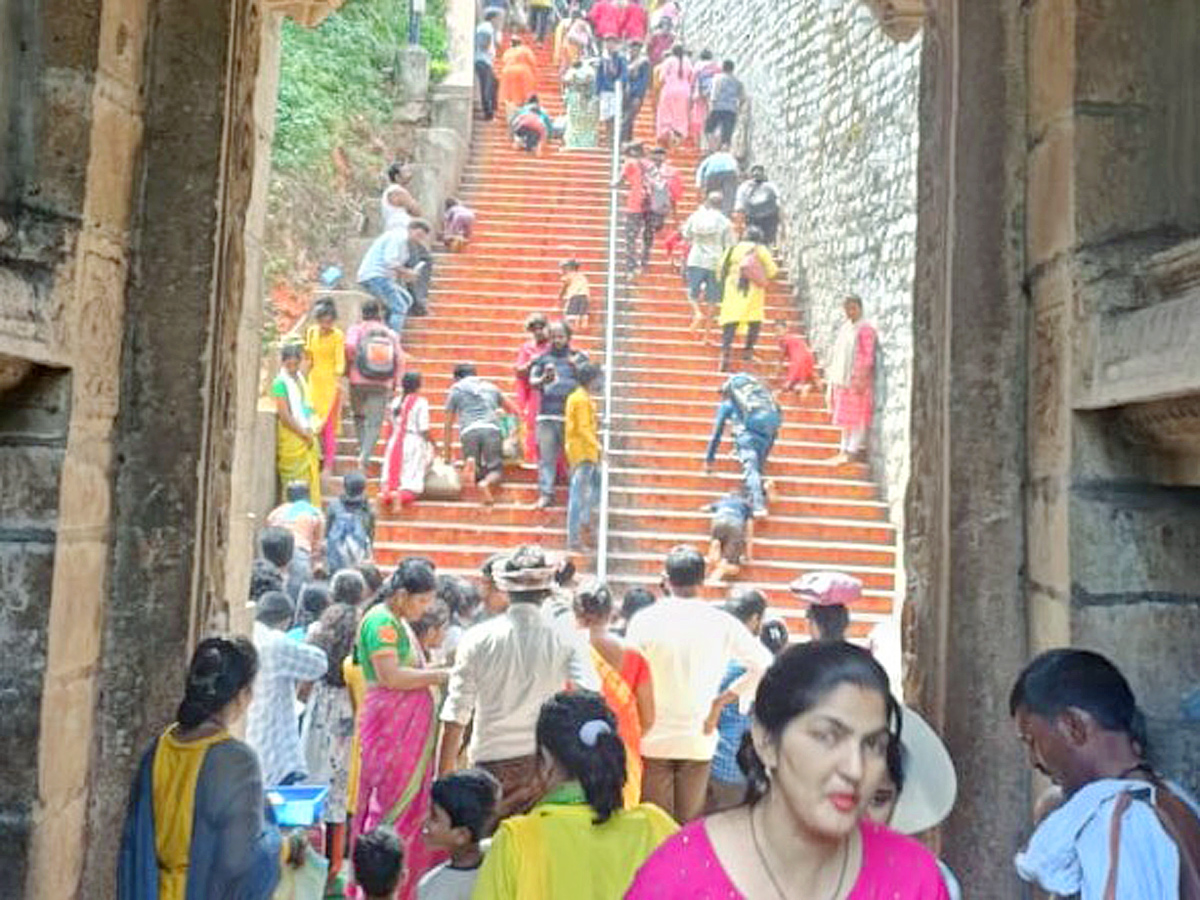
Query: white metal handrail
x,y
610,337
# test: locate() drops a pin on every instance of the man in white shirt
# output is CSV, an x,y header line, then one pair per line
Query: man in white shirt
x,y
688,644
504,670
710,233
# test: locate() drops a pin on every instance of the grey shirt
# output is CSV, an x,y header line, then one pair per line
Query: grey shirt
x,y
726,93
475,401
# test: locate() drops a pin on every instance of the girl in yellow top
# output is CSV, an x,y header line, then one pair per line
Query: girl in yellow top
x,y
326,348
746,270
195,827
578,842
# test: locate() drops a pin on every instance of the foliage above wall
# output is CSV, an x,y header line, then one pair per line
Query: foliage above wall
x,y
342,69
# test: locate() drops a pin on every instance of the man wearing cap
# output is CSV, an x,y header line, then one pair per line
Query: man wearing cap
x,y
272,728
504,670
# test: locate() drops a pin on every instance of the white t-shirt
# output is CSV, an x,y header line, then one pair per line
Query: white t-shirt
x,y
689,644
447,883
394,217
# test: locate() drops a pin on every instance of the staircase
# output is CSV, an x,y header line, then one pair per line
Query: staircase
x,y
532,213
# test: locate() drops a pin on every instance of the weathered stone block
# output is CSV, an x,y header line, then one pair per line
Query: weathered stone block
x,y
63,144
1050,197
1114,48
1051,62
112,167
414,72
1050,371
1046,516
66,733
1049,619
57,858
1138,637
1115,165
123,34
80,577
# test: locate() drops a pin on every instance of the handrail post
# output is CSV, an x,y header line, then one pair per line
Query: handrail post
x,y
610,336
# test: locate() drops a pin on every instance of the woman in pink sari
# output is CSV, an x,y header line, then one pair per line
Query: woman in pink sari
x,y
671,118
398,725
529,400
705,71
410,447
824,718
851,375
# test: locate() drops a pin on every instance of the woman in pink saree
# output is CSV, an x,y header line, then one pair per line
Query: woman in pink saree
x,y
851,375
398,726
824,718
529,400
672,115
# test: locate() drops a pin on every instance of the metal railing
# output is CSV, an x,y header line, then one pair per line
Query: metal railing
x,y
610,337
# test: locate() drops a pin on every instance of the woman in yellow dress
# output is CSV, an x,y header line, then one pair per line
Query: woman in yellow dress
x,y
326,348
195,826
296,456
745,271
578,841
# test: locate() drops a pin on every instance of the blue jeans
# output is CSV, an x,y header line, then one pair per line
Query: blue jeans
x,y
585,490
395,298
550,447
751,447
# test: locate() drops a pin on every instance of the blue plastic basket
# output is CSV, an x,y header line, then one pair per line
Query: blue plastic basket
x,y
298,805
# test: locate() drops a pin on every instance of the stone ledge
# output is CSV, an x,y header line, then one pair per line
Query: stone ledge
x,y
1146,356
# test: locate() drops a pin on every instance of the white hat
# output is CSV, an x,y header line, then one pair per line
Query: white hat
x,y
930,783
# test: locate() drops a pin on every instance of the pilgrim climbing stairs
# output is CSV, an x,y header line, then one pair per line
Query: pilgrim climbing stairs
x,y
532,213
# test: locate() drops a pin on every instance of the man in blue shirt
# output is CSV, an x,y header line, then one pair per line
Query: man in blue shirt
x,y
756,419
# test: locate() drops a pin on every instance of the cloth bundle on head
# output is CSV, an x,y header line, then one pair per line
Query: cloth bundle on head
x,y
827,588
930,782
528,568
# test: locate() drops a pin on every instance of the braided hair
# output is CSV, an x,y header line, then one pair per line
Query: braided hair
x,y
579,730
220,669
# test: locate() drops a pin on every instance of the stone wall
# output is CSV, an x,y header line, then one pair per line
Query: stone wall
x,y
834,120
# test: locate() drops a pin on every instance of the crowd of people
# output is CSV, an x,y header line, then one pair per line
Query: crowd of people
x,y
522,734
520,737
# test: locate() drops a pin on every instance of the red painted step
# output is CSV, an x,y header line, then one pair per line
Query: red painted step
x,y
534,212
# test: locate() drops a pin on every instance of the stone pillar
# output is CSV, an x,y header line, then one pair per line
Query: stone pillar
x,y
965,531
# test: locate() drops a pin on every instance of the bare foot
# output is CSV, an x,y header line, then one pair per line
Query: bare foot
x,y
841,459
485,494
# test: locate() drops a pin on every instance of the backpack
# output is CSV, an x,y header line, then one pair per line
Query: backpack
x,y
751,268
658,192
761,202
705,82
376,355
347,543
750,395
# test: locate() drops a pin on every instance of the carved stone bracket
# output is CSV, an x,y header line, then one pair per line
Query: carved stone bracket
x,y
900,19
308,13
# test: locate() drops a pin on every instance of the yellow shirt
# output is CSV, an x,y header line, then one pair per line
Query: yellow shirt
x,y
575,284
556,852
174,773
581,438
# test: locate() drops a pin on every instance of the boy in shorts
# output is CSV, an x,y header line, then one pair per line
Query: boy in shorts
x,y
576,292
731,534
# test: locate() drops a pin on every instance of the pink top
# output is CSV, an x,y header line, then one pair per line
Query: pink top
x,y
685,867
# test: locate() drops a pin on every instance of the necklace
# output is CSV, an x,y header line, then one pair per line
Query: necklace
x,y
762,858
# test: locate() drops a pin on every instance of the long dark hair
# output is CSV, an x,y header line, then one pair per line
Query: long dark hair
x,y
797,681
335,634
579,730
220,669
